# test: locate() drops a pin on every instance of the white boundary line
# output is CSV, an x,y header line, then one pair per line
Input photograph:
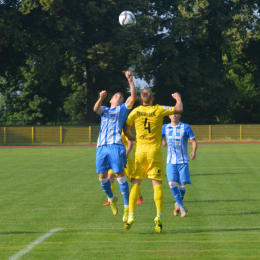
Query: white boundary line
x,y
34,243
52,231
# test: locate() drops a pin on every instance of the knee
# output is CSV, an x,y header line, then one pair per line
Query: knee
x,y
103,181
172,184
121,180
182,187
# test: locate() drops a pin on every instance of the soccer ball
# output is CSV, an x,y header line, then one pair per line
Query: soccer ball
x,y
127,19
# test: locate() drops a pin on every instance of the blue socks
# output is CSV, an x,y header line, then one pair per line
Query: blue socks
x,y
106,186
182,190
123,184
176,193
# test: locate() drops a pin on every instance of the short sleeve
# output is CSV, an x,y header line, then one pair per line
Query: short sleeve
x,y
131,118
104,110
163,131
166,110
124,110
124,107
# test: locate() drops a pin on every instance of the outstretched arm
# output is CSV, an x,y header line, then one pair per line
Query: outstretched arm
x,y
194,146
97,107
130,101
178,109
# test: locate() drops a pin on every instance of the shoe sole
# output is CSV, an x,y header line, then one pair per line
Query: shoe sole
x,y
129,225
158,227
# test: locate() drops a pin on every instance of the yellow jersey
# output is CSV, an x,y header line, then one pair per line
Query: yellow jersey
x,y
148,122
124,140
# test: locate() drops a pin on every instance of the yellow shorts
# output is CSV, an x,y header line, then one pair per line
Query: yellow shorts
x,y
148,164
128,168
110,171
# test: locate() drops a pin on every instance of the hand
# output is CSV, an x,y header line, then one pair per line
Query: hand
x,y
176,95
192,155
103,94
129,76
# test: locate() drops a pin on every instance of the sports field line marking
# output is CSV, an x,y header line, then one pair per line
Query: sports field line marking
x,y
34,243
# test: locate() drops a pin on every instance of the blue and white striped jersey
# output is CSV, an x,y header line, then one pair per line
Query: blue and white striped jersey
x,y
112,123
177,139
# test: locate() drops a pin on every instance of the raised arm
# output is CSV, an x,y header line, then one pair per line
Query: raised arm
x,y
194,148
130,101
97,107
178,109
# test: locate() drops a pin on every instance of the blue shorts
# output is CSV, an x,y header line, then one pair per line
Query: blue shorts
x,y
179,173
111,156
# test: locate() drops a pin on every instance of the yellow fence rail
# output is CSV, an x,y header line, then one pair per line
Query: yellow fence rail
x,y
88,134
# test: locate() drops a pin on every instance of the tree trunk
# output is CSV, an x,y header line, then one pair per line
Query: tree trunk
x,y
92,94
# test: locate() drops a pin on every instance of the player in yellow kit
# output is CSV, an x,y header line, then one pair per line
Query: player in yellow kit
x,y
148,120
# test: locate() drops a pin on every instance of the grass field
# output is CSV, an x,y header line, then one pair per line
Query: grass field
x,y
51,208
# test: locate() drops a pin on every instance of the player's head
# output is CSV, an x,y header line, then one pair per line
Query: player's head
x,y
117,99
175,118
147,96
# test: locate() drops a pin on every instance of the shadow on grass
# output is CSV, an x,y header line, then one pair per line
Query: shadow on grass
x,y
221,173
234,214
19,233
212,201
207,230
203,201
166,230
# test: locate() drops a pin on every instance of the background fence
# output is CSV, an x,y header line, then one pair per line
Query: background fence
x,y
89,134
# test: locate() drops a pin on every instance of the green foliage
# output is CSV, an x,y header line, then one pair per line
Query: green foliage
x,y
56,56
72,47
245,71
187,55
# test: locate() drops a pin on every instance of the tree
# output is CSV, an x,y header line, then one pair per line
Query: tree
x,y
64,35
245,71
187,54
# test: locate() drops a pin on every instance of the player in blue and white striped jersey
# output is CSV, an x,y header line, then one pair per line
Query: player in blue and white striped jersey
x,y
176,134
111,152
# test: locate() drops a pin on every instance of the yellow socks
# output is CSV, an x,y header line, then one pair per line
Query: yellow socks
x,y
133,197
158,197
112,187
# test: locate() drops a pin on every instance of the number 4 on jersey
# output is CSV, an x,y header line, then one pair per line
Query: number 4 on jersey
x,y
147,127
